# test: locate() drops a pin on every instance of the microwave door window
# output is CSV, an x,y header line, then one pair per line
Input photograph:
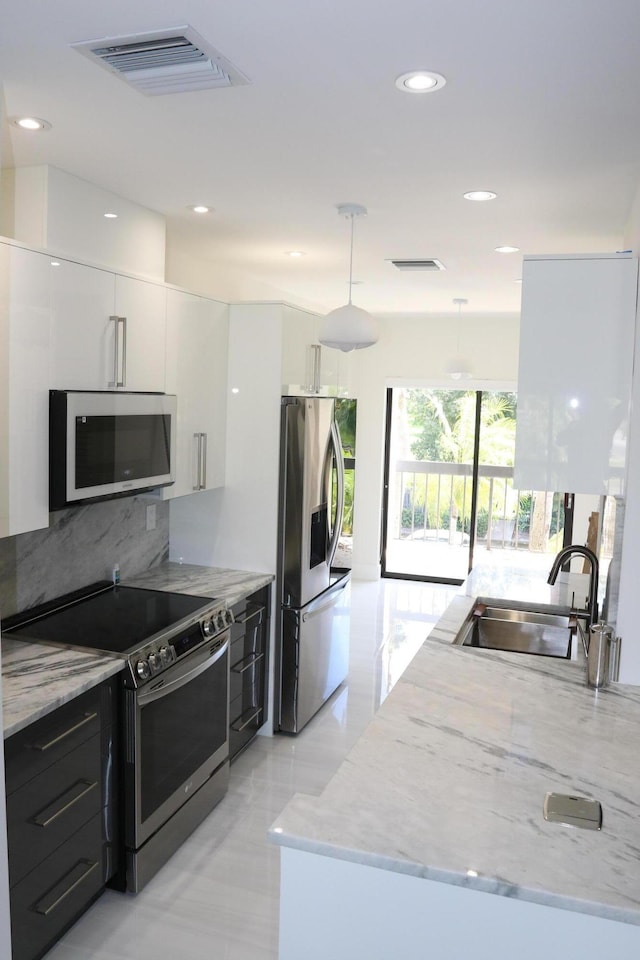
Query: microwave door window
x,y
121,448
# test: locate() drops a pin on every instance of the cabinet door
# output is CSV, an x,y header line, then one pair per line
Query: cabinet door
x,y
576,353
82,336
143,306
196,370
24,387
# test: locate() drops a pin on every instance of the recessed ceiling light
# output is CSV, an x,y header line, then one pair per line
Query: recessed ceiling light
x,y
480,195
420,81
31,123
111,216
506,249
199,208
55,263
295,253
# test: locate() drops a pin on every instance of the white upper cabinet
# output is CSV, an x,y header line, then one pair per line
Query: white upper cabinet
x,y
108,331
574,380
196,370
24,390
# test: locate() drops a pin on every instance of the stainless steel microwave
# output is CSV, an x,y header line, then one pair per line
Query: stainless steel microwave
x,y
109,444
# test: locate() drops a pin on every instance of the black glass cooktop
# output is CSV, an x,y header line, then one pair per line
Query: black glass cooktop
x,y
117,619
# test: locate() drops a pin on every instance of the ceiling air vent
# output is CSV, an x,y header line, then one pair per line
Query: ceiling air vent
x,y
164,61
418,264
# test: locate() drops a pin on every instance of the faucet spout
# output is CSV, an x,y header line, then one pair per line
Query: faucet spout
x,y
565,555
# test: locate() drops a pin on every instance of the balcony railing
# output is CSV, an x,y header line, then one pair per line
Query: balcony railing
x,y
432,501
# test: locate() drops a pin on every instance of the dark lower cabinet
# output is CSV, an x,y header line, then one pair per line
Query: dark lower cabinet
x,y
61,817
248,669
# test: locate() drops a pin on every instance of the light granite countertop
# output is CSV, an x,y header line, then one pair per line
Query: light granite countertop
x,y
37,678
449,779
219,583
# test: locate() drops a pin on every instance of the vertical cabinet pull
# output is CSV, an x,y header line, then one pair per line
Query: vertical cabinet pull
x,y
200,478
119,353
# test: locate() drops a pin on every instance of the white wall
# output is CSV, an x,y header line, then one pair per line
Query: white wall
x,y
415,350
51,209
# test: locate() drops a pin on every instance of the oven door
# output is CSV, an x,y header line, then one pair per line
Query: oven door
x,y
177,735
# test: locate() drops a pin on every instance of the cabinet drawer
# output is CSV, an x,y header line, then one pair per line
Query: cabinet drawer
x,y
44,812
44,742
244,727
51,897
246,679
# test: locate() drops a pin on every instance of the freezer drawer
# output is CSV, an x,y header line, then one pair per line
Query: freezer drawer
x,y
315,654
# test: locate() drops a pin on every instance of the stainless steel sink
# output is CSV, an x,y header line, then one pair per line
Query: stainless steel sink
x,y
521,631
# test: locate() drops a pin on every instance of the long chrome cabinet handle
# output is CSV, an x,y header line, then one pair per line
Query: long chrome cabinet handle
x,y
203,474
198,472
52,900
66,733
123,381
252,659
79,790
250,616
119,381
239,725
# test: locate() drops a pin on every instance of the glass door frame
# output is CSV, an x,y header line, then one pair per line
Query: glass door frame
x,y
568,497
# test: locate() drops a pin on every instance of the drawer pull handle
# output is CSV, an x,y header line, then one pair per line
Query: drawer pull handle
x,y
88,717
68,798
240,724
76,875
250,616
251,659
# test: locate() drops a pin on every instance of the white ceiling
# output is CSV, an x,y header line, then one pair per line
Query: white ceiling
x,y
540,106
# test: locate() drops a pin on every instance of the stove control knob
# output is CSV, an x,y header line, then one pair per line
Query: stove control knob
x,y
142,669
166,656
228,616
220,621
209,628
155,663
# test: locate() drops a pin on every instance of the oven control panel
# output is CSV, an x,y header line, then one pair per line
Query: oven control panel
x,y
161,653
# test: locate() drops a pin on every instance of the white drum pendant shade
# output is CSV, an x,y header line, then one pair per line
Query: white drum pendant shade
x,y
349,327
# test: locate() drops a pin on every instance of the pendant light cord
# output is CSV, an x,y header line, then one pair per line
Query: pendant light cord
x,y
351,260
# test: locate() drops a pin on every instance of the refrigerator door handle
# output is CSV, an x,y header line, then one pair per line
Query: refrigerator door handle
x,y
336,446
313,610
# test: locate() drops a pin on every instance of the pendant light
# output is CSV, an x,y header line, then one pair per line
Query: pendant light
x,y
459,368
349,327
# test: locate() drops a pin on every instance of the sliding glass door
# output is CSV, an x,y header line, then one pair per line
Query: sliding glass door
x,y
449,496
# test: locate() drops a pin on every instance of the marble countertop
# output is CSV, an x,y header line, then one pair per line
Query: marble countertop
x,y
37,678
217,582
448,781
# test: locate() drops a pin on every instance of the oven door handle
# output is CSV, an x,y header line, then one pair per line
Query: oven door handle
x,y
165,689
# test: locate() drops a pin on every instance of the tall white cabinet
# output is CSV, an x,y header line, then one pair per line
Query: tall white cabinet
x,y
574,380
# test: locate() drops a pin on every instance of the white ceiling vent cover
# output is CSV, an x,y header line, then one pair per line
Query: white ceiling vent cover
x,y
418,264
163,61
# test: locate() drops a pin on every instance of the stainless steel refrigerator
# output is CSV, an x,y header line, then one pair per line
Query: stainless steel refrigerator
x,y
313,625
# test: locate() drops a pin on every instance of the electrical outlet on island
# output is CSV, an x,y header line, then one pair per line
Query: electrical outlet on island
x,y
151,516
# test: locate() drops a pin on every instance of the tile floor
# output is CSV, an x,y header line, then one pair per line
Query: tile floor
x,y
217,898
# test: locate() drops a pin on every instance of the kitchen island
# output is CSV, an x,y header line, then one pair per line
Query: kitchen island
x,y
430,840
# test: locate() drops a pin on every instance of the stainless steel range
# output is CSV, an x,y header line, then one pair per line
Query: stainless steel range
x,y
175,704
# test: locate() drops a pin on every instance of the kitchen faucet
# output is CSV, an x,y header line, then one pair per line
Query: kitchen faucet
x,y
592,599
